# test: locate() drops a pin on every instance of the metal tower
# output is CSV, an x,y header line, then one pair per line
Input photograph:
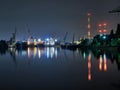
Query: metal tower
x,y
89,26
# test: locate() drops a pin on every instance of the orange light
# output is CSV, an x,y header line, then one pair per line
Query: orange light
x,y
88,14
104,24
89,76
89,65
100,63
100,25
105,67
104,30
100,31
89,26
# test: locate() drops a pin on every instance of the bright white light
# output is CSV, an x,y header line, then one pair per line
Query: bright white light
x,y
39,40
47,39
104,37
56,40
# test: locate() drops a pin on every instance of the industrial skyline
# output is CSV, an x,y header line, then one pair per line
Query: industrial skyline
x,y
45,18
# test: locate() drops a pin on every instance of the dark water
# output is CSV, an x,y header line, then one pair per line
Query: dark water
x,y
59,69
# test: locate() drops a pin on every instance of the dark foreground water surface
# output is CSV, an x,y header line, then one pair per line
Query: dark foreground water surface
x,y
59,69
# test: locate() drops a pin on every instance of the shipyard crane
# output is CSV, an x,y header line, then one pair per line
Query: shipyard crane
x,y
12,41
29,34
73,38
29,41
116,10
65,37
14,35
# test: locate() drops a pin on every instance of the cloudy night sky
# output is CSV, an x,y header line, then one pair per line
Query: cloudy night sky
x,y
45,18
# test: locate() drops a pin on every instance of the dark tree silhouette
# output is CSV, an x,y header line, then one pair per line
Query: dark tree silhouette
x,y
118,30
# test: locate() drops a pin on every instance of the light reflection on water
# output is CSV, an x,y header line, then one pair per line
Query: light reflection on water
x,y
103,63
49,52
89,66
68,62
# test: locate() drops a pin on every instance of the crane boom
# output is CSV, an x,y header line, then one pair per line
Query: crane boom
x,y
116,10
65,36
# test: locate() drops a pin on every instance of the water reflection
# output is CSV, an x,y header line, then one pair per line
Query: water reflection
x,y
103,62
32,52
100,63
102,57
89,66
49,52
13,54
52,52
2,51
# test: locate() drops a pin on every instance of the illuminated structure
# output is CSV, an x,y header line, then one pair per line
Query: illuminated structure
x,y
50,42
40,43
102,28
31,42
89,26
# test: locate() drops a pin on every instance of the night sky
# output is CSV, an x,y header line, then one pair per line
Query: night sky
x,y
45,18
